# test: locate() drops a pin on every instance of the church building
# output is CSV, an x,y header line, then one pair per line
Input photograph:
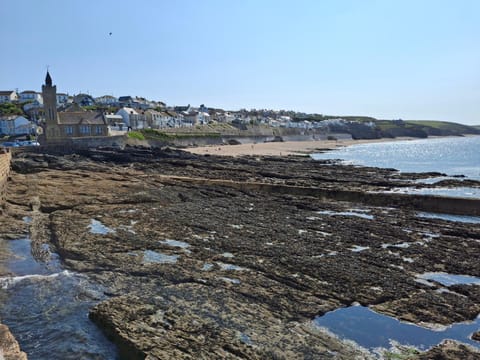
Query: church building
x,y
74,122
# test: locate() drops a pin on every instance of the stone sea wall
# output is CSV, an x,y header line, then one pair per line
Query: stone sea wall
x,y
5,157
9,348
428,203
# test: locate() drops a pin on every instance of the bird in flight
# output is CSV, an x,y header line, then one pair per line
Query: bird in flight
x,y
110,33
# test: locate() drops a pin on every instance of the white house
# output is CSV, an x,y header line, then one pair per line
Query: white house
x,y
33,105
108,100
157,119
8,96
30,95
115,122
203,118
132,118
16,125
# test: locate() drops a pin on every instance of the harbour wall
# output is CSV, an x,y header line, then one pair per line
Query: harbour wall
x,y
5,160
424,203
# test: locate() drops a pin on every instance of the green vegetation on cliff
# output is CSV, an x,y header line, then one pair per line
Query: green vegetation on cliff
x,y
11,109
152,134
136,135
423,128
444,126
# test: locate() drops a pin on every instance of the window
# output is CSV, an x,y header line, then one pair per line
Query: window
x,y
99,130
84,129
69,130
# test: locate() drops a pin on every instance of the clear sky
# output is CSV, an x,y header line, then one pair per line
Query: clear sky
x,y
409,59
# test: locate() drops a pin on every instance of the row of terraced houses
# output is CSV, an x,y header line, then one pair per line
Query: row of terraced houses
x,y
59,115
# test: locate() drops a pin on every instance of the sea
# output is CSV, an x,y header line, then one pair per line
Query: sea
x,y
452,156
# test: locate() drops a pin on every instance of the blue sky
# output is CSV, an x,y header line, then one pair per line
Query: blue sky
x,y
388,59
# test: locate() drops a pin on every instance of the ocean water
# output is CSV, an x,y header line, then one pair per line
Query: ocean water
x,y
46,308
449,155
452,156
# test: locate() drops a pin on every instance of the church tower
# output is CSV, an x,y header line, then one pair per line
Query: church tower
x,y
49,93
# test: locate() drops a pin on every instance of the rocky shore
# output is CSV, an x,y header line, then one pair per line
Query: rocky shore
x,y
9,348
198,265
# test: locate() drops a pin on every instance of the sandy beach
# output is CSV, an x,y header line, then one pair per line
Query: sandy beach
x,y
283,148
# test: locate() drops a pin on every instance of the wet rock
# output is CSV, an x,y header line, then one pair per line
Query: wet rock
x,y
450,350
9,348
476,336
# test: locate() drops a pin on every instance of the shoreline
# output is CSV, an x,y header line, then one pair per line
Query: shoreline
x,y
293,148
287,148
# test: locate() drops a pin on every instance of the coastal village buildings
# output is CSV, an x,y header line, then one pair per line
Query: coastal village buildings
x,y
72,123
62,98
84,100
30,95
8,96
106,100
16,125
66,117
132,118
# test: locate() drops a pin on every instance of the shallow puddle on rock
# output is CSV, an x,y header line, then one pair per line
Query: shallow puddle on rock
x,y
23,262
154,257
429,236
358,248
130,211
27,219
403,245
207,267
372,330
230,280
175,243
449,217
227,255
244,338
347,213
449,279
324,233
231,267
96,227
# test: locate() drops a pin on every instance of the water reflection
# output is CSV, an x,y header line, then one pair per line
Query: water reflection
x,y
448,217
373,330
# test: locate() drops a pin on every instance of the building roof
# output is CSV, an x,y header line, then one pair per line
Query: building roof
x,y
6,92
28,92
81,117
125,98
74,107
129,110
171,113
181,108
112,116
83,96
